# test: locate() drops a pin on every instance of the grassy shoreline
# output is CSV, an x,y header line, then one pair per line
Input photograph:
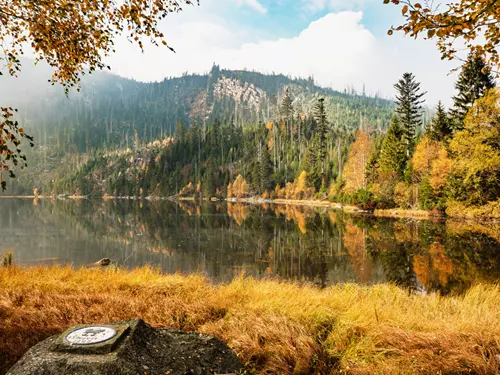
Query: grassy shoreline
x,y
275,327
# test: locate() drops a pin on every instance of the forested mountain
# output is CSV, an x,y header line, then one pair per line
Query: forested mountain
x,y
238,134
109,109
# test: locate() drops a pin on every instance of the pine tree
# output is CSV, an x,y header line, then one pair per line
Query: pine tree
x,y
473,83
393,157
321,132
440,126
409,101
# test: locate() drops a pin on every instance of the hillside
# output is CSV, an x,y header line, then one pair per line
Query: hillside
x,y
109,109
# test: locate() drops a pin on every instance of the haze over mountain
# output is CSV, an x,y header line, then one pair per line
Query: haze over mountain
x,y
109,109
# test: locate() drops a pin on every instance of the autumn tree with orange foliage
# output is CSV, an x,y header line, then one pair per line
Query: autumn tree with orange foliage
x,y
462,21
300,188
355,169
74,38
425,154
239,188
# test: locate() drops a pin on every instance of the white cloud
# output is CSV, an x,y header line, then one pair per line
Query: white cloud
x,y
336,49
331,49
255,4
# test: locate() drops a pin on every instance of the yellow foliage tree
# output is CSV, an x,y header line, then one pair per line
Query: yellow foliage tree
x,y
301,185
404,195
355,168
426,152
239,188
187,191
476,161
440,170
299,189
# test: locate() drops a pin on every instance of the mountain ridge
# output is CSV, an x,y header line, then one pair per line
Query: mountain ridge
x,y
109,109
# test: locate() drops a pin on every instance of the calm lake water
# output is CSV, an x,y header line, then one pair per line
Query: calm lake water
x,y
221,240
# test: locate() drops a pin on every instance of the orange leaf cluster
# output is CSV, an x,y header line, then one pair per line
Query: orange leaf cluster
x,y
73,36
474,23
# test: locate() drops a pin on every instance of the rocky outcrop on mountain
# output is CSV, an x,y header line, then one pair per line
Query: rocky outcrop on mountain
x,y
241,92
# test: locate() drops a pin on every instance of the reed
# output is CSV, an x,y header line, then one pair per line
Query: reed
x,y
7,259
275,327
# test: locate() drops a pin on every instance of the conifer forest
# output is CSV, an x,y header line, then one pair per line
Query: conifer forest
x,y
241,134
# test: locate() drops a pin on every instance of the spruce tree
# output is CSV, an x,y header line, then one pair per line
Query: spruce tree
x,y
215,134
311,164
286,113
266,170
180,132
321,132
393,156
286,108
473,83
409,102
208,184
256,183
440,126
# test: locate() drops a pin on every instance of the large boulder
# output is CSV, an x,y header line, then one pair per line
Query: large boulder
x,y
128,348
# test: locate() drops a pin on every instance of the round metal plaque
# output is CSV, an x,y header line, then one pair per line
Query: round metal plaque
x,y
91,335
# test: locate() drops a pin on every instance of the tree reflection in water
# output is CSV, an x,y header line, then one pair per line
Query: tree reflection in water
x,y
222,240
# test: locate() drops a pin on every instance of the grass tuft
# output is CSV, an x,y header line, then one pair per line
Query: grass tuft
x,y
275,327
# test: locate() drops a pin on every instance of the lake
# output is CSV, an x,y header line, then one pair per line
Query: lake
x,y
222,241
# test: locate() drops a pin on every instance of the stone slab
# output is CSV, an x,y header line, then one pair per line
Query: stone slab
x,y
62,343
138,350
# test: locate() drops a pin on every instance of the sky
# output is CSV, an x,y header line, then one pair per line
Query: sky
x,y
341,43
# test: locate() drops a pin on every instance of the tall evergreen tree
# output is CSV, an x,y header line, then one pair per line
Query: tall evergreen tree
x,y
409,101
311,164
208,184
473,83
286,113
321,133
180,132
393,156
255,174
266,170
286,107
440,126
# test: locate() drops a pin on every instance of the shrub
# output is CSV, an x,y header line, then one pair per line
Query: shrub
x,y
404,195
426,198
486,212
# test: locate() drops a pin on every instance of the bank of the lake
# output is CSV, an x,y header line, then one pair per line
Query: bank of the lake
x,y
397,213
275,327
489,212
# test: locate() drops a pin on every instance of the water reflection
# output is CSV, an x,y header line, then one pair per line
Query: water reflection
x,y
222,240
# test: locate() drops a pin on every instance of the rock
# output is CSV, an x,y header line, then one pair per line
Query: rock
x,y
104,262
134,348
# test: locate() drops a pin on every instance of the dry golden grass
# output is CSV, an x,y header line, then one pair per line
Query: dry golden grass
x,y
275,327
